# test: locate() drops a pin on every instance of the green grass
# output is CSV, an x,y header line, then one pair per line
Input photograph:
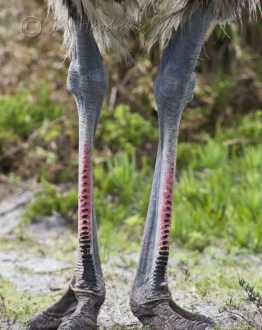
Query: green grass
x,y
218,196
21,114
28,304
48,201
218,192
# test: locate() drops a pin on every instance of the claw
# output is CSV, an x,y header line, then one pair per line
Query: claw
x,y
84,317
166,315
44,321
51,318
74,311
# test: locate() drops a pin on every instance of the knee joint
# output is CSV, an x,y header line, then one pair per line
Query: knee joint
x,y
81,82
174,89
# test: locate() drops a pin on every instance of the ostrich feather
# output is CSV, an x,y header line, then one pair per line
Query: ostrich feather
x,y
166,15
112,20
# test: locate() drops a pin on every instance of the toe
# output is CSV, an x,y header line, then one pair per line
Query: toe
x,y
83,318
208,325
168,316
43,321
77,323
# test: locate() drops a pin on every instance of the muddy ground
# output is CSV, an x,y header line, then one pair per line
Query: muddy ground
x,y
36,262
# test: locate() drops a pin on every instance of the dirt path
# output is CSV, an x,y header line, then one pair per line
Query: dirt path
x,y
36,262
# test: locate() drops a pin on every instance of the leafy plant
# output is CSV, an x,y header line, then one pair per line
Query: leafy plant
x,y
48,201
21,114
123,130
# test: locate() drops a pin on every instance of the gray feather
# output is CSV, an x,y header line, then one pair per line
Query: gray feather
x,y
112,20
167,15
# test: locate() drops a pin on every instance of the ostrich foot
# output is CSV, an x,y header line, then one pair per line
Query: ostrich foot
x,y
76,310
166,315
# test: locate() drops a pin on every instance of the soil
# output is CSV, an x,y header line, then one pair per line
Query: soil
x,y
43,262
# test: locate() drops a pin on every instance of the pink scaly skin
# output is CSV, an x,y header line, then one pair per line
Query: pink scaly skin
x,y
166,209
165,217
85,229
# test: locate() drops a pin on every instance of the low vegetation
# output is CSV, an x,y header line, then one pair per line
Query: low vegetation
x,y
218,192
11,311
252,320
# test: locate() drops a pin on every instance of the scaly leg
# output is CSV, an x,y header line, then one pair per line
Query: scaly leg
x,y
151,299
79,307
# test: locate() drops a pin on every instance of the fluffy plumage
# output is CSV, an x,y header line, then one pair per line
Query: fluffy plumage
x,y
169,14
112,20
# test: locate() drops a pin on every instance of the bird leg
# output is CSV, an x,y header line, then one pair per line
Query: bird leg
x,y
151,299
79,307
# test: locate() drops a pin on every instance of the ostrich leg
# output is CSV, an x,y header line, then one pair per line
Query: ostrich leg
x,y
151,299
79,307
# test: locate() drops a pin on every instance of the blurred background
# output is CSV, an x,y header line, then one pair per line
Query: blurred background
x,y
218,198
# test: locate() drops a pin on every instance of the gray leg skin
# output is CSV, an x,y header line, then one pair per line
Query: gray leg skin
x,y
79,307
151,300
